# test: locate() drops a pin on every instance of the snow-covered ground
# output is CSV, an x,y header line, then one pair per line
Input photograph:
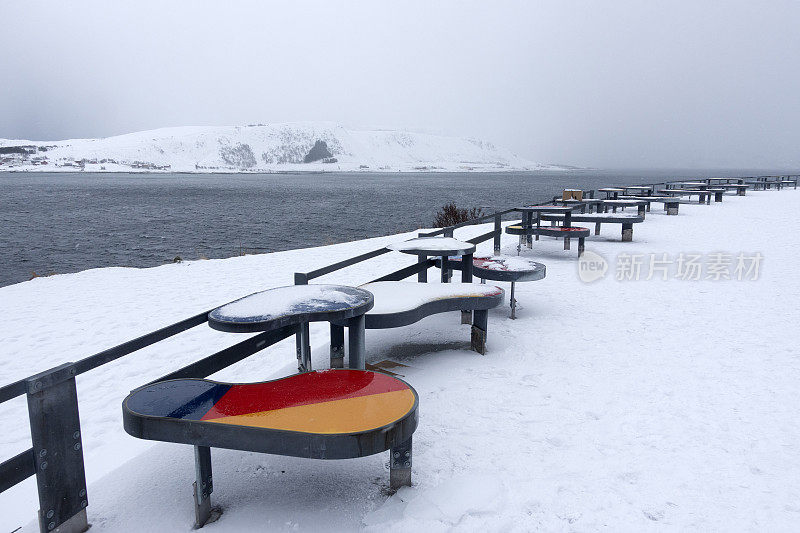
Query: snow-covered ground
x,y
262,148
620,405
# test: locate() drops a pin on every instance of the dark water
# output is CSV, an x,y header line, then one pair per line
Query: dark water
x,y
59,223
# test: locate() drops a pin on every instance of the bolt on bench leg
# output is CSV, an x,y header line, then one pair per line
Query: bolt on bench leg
x,y
479,327
337,346
400,465
203,486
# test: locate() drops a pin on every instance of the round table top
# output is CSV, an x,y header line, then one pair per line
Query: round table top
x,y
433,246
547,208
296,304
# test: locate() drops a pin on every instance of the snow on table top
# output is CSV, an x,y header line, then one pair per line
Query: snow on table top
x,y
506,263
293,299
432,244
398,296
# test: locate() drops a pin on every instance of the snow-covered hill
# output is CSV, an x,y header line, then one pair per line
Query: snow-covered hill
x,y
312,146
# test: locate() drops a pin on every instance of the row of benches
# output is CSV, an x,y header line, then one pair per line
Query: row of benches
x,y
346,412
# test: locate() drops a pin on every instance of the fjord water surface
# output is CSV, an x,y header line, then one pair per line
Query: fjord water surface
x,y
60,223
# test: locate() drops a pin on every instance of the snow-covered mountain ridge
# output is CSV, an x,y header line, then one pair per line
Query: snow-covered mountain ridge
x,y
310,146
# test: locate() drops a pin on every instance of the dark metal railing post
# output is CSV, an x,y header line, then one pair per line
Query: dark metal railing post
x,y
498,233
57,450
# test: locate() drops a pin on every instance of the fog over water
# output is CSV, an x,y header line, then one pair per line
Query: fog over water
x,y
606,84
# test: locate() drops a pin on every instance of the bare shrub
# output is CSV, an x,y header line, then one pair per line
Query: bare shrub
x,y
451,214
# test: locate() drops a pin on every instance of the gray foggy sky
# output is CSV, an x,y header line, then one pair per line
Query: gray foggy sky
x,y
608,84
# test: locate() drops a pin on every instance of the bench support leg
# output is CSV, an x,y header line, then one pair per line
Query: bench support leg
x,y
672,209
466,277
741,191
597,228
400,465
513,303
581,246
337,346
203,487
422,275
479,326
357,343
627,232
717,196
566,243
303,348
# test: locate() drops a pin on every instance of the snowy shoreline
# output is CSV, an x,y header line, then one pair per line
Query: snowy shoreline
x,y
622,404
286,147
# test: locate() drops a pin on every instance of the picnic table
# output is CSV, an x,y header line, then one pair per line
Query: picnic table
x,y
690,184
332,414
641,205
671,203
441,247
612,192
645,190
503,268
627,221
297,305
702,196
740,188
583,204
527,229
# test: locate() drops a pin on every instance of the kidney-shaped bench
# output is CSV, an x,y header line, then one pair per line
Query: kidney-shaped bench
x,y
502,268
400,303
330,414
627,221
572,232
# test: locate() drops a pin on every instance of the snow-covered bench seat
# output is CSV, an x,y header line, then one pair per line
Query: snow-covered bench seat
x,y
671,203
572,232
400,303
703,196
627,221
507,268
740,188
332,414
